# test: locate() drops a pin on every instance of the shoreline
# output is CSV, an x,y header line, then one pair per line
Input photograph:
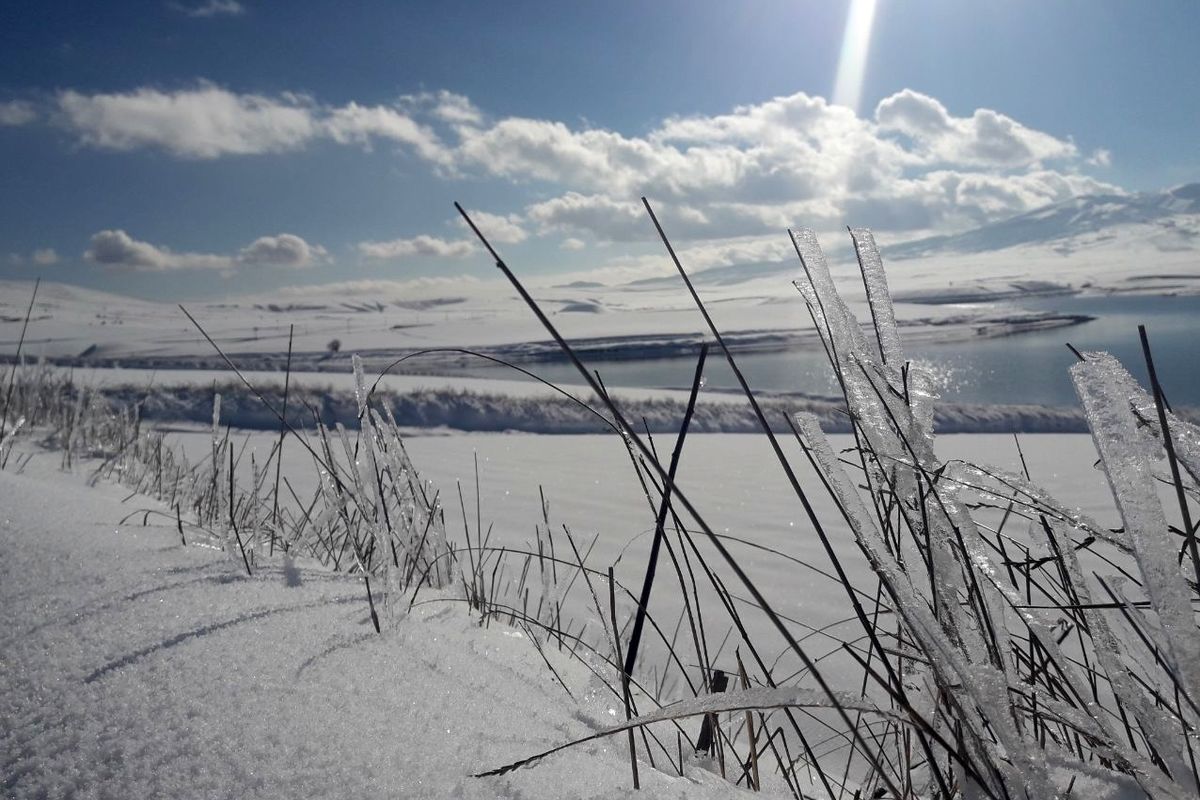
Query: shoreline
x,y
948,329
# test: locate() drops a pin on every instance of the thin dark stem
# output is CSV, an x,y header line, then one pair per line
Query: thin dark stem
x,y
612,610
287,377
659,523
12,375
1159,405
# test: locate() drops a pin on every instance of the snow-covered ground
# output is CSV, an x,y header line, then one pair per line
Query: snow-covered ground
x,y
135,667
131,666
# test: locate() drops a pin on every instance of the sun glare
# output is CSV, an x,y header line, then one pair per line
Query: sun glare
x,y
852,62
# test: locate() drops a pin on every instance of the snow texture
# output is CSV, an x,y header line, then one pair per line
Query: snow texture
x,y
133,667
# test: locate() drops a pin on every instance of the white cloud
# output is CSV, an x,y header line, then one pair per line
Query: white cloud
x,y
742,250
912,166
957,199
355,123
1100,158
45,256
525,149
787,161
603,216
419,246
211,8
498,229
116,248
42,257
205,122
986,138
619,220
571,243
445,106
17,112
208,121
284,250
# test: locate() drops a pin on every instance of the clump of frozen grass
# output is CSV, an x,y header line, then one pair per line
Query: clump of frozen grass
x,y
1015,648
1031,651
372,513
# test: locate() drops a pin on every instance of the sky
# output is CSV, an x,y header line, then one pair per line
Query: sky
x,y
208,148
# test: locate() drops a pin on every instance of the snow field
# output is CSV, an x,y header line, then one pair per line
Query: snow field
x,y
134,667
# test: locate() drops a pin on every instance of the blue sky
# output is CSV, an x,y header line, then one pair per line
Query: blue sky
x,y
203,148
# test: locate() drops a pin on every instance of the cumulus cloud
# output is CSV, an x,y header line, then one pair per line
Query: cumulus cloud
x,y
284,250
211,8
986,138
619,220
787,161
498,229
17,112
204,122
117,249
355,123
605,217
208,121
443,105
545,150
912,166
419,246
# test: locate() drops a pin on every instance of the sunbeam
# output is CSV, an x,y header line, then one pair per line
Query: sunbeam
x,y
852,63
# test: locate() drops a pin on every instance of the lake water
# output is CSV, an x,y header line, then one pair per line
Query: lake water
x,y
1024,368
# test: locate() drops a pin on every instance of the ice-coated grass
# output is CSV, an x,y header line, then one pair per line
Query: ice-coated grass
x,y
1016,673
992,664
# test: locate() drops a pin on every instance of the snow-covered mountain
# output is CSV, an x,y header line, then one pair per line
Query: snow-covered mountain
x,y
1148,241
1168,220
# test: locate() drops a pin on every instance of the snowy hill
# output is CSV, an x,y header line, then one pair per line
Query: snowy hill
x,y
1147,241
1170,218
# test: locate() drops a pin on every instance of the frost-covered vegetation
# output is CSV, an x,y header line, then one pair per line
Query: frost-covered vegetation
x,y
1043,659
468,409
1006,646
